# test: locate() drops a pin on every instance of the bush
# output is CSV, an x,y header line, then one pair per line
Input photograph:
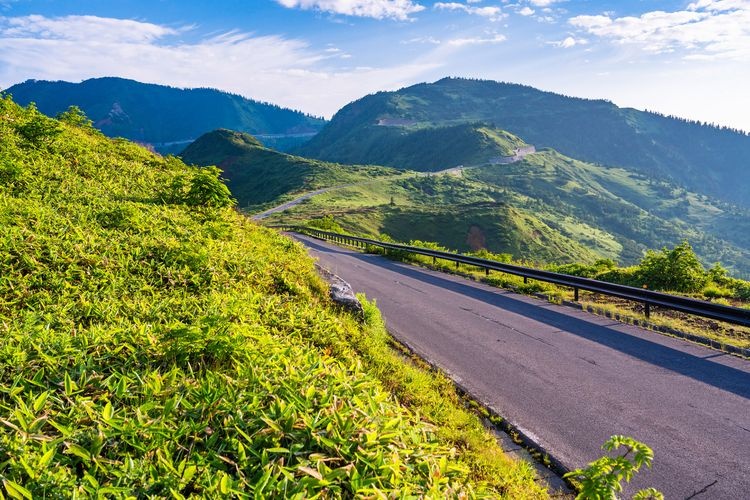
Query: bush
x,y
76,117
326,224
201,187
676,270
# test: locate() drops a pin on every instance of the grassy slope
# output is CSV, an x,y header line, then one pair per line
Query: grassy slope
x,y
547,208
159,349
257,175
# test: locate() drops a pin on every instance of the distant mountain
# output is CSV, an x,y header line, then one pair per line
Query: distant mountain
x,y
257,175
166,118
703,158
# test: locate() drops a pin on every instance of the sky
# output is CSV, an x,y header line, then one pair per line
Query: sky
x,y
683,58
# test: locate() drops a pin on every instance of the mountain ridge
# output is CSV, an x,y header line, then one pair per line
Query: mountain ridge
x,y
163,116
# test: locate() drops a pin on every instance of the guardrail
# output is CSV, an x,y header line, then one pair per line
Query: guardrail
x,y
648,298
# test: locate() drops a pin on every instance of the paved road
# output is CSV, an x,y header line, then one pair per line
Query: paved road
x,y
570,379
294,202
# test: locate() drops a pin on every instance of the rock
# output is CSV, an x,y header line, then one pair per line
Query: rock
x,y
341,292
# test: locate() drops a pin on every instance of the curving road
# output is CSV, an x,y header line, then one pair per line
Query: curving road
x,y
569,379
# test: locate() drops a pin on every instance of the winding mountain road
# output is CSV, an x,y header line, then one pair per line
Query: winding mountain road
x,y
570,379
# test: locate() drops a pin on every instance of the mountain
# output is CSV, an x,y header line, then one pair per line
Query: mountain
x,y
166,118
702,158
545,207
257,175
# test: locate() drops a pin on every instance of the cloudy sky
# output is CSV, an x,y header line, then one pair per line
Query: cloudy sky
x,y
687,58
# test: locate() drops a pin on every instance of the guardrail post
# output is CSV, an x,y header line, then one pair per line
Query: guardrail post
x,y
434,260
575,294
525,280
486,271
457,263
647,309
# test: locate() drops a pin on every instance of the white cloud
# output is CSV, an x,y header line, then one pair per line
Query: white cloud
x,y
543,3
526,11
461,42
491,13
281,70
707,29
378,9
569,42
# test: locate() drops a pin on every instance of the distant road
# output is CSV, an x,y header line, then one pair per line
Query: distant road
x,y
570,379
296,201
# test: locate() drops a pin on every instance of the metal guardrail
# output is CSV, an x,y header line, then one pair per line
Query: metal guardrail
x,y
648,298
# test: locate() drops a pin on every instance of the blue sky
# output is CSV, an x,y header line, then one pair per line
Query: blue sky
x,y
687,58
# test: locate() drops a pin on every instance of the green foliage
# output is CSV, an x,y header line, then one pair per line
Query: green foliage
x,y
677,269
326,223
203,187
76,117
150,350
37,129
602,479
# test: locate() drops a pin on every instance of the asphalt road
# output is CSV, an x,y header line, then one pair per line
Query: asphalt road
x,y
570,379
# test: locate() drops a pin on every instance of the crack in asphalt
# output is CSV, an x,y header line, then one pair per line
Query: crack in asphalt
x,y
409,287
500,323
700,492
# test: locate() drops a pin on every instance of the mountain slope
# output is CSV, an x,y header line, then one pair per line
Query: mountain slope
x,y
705,159
547,208
257,175
160,115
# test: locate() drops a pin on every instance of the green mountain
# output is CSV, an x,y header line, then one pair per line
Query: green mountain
x,y
547,208
166,118
257,175
702,158
156,343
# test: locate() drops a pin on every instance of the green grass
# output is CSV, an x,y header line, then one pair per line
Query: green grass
x,y
156,349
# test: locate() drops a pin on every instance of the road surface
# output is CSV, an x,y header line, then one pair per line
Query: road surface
x,y
570,379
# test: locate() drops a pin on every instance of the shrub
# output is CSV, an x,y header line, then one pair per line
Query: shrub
x,y
76,117
326,224
676,270
201,187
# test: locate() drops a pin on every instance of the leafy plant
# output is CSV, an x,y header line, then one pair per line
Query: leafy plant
x,y
677,270
602,479
201,187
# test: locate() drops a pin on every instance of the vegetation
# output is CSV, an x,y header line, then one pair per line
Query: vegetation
x,y
160,115
602,479
705,159
157,343
257,175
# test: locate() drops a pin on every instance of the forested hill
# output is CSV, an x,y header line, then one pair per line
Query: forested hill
x,y
703,158
258,175
160,115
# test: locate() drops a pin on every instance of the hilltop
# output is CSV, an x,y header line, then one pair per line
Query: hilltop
x,y
166,118
157,343
702,158
257,175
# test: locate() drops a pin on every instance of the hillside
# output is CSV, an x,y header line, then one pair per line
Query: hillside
x,y
546,208
426,148
257,175
702,158
166,118
156,343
